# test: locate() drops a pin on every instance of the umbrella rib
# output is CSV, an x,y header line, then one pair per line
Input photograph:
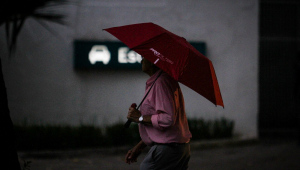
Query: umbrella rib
x,y
185,63
148,41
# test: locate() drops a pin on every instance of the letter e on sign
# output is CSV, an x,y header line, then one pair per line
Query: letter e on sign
x,y
122,54
128,56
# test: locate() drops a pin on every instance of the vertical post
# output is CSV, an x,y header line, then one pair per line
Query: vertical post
x,y
8,149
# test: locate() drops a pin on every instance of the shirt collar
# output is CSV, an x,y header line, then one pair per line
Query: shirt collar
x,y
152,78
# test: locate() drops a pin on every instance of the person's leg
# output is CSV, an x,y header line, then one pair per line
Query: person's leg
x,y
167,157
184,162
147,163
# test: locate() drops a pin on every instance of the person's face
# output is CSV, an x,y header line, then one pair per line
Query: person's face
x,y
146,66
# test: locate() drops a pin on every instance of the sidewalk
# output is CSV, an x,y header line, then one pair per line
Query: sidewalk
x,y
209,155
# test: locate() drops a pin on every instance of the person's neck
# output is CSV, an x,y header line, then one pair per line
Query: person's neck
x,y
152,72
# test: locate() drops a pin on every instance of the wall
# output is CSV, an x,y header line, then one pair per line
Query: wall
x,y
43,87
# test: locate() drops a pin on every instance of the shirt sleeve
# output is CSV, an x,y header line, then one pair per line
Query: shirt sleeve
x,y
164,105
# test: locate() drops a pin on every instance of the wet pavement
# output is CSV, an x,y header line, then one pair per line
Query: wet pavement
x,y
213,155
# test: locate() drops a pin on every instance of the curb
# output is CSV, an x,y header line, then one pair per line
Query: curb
x,y
210,144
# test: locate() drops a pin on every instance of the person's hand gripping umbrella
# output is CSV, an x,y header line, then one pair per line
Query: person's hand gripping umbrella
x,y
127,124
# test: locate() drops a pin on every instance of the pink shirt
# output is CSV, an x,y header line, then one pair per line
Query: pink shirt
x,y
166,105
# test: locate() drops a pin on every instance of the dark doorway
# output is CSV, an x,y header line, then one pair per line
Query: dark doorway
x,y
279,45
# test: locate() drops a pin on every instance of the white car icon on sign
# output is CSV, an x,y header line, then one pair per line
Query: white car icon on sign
x,y
99,53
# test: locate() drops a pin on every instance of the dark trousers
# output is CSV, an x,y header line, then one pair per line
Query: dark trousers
x,y
167,157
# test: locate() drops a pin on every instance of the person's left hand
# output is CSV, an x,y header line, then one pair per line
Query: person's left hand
x,y
134,115
134,153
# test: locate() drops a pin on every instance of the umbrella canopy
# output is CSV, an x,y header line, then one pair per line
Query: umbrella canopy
x,y
174,55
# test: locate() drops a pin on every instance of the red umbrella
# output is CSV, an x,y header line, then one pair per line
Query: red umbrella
x,y
174,55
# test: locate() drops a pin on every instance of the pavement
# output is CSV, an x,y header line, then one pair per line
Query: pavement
x,y
230,154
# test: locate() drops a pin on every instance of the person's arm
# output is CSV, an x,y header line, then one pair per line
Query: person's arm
x,y
133,153
165,105
134,115
147,120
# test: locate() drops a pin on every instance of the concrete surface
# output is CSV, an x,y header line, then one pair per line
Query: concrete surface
x,y
219,155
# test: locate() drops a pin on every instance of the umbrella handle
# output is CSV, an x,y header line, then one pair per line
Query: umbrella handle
x,y
127,124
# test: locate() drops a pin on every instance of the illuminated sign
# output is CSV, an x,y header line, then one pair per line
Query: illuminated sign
x,y
99,53
110,55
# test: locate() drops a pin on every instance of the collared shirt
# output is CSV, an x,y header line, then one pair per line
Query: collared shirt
x,y
166,105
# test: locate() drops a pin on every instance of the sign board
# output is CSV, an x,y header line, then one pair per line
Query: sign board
x,y
110,55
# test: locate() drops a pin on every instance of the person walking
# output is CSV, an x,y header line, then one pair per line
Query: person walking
x,y
163,125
